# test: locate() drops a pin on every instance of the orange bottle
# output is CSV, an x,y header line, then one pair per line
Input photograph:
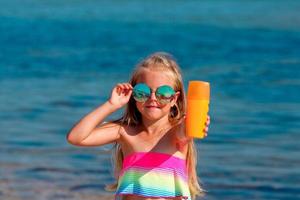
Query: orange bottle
x,y
197,108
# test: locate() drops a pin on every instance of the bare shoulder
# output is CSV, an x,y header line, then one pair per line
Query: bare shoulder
x,y
128,139
181,140
128,130
180,134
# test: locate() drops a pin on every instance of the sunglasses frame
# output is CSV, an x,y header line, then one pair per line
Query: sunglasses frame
x,y
161,100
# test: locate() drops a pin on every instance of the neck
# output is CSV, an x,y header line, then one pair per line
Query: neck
x,y
154,127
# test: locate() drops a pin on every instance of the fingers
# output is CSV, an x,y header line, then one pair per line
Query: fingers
x,y
205,130
206,126
123,88
207,120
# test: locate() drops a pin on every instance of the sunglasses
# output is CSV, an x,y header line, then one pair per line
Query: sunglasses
x,y
142,92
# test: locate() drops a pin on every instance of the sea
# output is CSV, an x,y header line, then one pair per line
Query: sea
x,y
60,59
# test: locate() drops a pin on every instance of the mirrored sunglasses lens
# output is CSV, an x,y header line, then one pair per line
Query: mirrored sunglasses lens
x,y
164,94
140,96
141,92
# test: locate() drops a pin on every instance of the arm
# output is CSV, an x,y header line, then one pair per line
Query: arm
x,y
181,138
87,132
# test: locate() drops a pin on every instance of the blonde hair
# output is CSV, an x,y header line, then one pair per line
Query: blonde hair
x,y
132,117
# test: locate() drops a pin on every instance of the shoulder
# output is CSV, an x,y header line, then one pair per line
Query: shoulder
x,y
125,131
180,133
129,130
128,138
180,139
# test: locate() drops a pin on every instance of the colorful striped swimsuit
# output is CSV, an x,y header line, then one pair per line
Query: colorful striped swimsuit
x,y
153,174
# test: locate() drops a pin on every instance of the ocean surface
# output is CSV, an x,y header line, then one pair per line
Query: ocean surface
x,y
60,59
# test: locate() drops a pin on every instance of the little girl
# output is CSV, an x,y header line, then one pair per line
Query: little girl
x,y
154,159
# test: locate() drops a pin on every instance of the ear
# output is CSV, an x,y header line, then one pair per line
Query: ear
x,y
176,95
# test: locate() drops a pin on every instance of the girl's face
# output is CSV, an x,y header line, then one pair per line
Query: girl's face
x,y
152,109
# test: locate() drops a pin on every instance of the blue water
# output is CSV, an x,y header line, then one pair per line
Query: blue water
x,y
60,59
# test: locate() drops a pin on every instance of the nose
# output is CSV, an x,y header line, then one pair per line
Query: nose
x,y
152,96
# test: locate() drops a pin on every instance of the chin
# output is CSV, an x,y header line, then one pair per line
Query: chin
x,y
153,113
153,116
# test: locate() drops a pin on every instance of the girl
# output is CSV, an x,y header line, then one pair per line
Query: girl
x,y
153,157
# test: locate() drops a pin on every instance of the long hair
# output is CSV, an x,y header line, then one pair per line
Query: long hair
x,y
164,62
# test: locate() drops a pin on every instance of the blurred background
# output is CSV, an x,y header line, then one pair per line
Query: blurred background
x,y
60,59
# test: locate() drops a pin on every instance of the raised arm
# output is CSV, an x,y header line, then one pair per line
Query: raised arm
x,y
88,132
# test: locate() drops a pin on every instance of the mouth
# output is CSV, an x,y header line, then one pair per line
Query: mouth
x,y
152,106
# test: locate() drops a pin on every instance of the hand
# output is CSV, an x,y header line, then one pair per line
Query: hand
x,y
206,124
120,94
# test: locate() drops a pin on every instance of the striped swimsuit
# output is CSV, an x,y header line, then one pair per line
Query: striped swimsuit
x,y
153,174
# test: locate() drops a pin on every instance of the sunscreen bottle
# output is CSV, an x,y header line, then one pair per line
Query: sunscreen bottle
x,y
197,108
